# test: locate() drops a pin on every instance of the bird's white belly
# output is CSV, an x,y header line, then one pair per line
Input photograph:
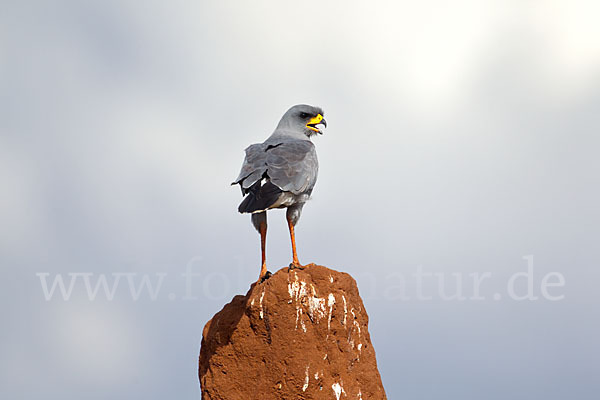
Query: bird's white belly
x,y
287,199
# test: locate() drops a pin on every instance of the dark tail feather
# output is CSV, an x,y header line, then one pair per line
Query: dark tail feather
x,y
260,197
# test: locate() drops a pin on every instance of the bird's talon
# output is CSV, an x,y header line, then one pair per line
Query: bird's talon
x,y
266,276
295,266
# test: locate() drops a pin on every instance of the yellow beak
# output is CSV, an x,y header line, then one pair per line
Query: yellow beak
x,y
315,121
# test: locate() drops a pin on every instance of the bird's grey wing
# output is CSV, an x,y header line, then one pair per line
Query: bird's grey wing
x,y
293,166
254,166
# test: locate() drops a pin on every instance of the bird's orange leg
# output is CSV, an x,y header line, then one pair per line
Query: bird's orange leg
x,y
295,263
263,241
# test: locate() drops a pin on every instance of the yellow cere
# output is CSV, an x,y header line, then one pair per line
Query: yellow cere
x,y
314,121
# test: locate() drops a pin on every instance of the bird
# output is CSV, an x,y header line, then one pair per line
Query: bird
x,y
281,172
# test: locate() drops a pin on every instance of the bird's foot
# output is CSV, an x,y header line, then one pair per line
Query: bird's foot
x,y
266,276
295,265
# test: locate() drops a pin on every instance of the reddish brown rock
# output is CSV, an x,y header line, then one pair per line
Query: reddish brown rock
x,y
301,334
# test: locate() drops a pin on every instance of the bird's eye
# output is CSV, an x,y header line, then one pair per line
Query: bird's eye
x,y
303,115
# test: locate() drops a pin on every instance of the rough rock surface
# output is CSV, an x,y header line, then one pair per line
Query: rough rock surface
x,y
301,334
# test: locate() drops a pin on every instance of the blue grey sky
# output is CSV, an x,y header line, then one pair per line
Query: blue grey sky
x,y
463,136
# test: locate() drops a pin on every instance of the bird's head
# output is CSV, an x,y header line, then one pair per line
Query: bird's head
x,y
303,118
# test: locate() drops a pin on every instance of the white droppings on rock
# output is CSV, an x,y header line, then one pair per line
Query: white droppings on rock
x,y
316,307
299,318
298,315
345,310
305,295
297,288
338,390
356,324
305,381
330,303
261,306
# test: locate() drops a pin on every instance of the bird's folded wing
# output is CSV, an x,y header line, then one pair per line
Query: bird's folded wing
x,y
254,166
293,166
